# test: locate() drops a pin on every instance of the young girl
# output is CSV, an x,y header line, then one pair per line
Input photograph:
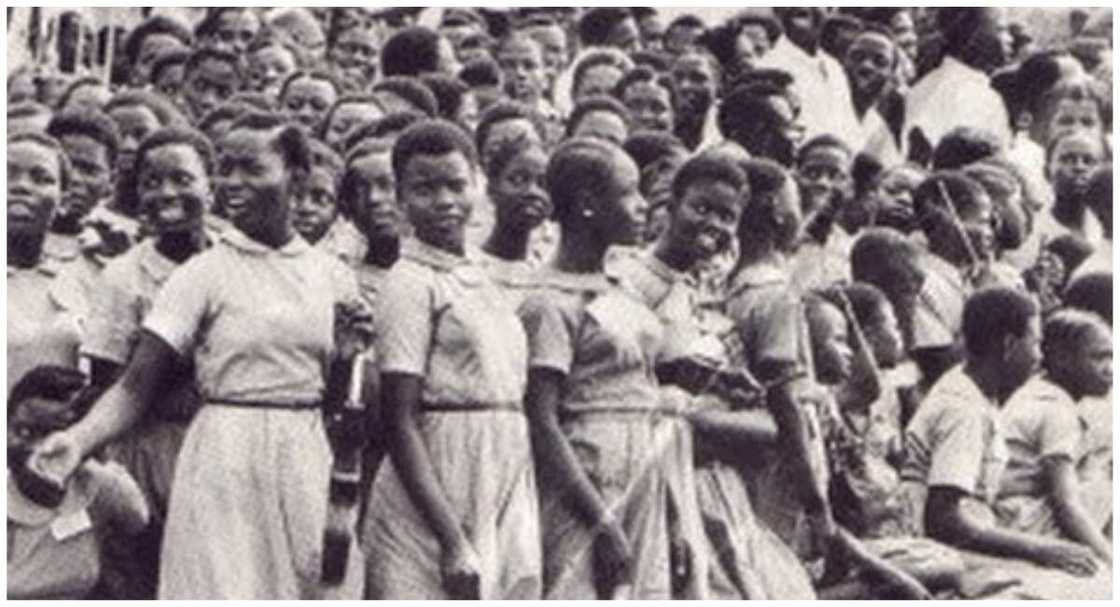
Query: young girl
x,y
248,511
53,538
316,210
453,511
45,308
306,97
1071,158
515,183
593,397
173,186
1046,437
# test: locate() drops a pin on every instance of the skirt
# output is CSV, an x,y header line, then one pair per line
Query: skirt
x,y
248,509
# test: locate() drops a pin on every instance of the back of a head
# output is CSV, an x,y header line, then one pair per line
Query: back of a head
x,y
433,137
578,166
879,255
91,123
412,90
963,146
993,314
930,196
743,113
51,382
596,25
411,52
646,147
1091,292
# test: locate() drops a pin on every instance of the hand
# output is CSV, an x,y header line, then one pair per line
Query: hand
x,y
353,329
461,569
612,557
1070,557
903,586
56,458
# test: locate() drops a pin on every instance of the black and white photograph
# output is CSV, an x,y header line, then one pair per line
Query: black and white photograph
x,y
577,303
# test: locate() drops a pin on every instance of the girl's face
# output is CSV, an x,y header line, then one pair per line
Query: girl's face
x,y
651,105
523,65
152,46
751,45
894,199
1072,161
598,80
91,176
704,219
624,211
236,30
831,350
173,188
884,337
696,83
269,67
823,175
346,119
252,185
170,80
870,62
34,187
520,194
355,56
1090,366
210,84
375,211
437,194
134,122
307,101
905,36
317,207
1074,115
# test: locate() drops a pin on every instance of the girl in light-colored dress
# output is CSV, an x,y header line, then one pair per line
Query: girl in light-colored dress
x,y
453,511
256,312
593,397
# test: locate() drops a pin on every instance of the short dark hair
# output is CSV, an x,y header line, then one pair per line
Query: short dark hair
x,y
448,93
177,135
1064,333
603,56
46,141
157,104
431,137
324,76
341,101
209,23
290,141
408,88
825,140
84,81
1091,292
168,58
965,145
645,74
686,20
154,25
879,254
1072,249
52,382
963,192
648,146
576,167
868,303
710,166
230,110
201,55
501,111
396,122
742,110
483,71
595,103
92,123
596,25
506,152
765,179
410,52
992,314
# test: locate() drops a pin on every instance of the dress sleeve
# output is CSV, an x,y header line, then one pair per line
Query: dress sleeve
x,y
113,323
774,333
182,305
403,324
1058,429
550,336
957,452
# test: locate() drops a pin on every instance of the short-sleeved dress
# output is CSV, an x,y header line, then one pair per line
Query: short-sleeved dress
x,y
249,498
742,558
436,320
955,440
46,313
513,277
53,553
604,341
940,307
120,303
1042,421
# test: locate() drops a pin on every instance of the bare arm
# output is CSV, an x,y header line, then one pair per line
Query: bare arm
x,y
401,400
793,429
552,450
1066,500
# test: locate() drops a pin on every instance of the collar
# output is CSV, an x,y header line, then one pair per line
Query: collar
x,y
424,253
238,240
596,282
61,247
47,267
666,273
153,263
945,270
768,271
951,67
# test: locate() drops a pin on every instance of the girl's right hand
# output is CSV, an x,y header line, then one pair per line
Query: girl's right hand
x,y
612,553
461,569
1070,557
56,457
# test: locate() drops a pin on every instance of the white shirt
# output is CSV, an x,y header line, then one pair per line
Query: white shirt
x,y
955,95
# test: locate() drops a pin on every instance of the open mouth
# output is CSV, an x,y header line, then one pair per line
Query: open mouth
x,y
20,211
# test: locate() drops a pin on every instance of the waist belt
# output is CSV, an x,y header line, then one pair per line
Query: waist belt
x,y
470,407
260,404
612,410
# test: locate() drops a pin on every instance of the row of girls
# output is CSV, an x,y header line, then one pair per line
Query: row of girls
x,y
637,378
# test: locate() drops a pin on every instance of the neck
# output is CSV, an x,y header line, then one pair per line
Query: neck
x,y
508,243
754,250
275,238
986,376
676,257
180,246
580,252
24,251
805,43
1068,210
383,252
865,100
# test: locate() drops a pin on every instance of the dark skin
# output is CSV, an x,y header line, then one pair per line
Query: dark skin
x,y
597,222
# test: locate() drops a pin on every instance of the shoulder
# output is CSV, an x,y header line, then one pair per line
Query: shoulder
x,y
1038,398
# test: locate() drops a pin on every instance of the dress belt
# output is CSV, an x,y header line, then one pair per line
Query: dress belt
x,y
260,404
469,407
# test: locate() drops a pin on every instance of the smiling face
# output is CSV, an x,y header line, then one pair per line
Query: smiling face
x,y
436,193
307,101
355,56
269,67
824,174
173,188
317,207
252,185
869,62
651,105
703,221
623,210
519,193
34,187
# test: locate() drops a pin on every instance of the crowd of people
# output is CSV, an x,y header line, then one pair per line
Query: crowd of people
x,y
563,303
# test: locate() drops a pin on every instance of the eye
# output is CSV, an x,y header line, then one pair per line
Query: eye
x,y
150,182
42,177
183,179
